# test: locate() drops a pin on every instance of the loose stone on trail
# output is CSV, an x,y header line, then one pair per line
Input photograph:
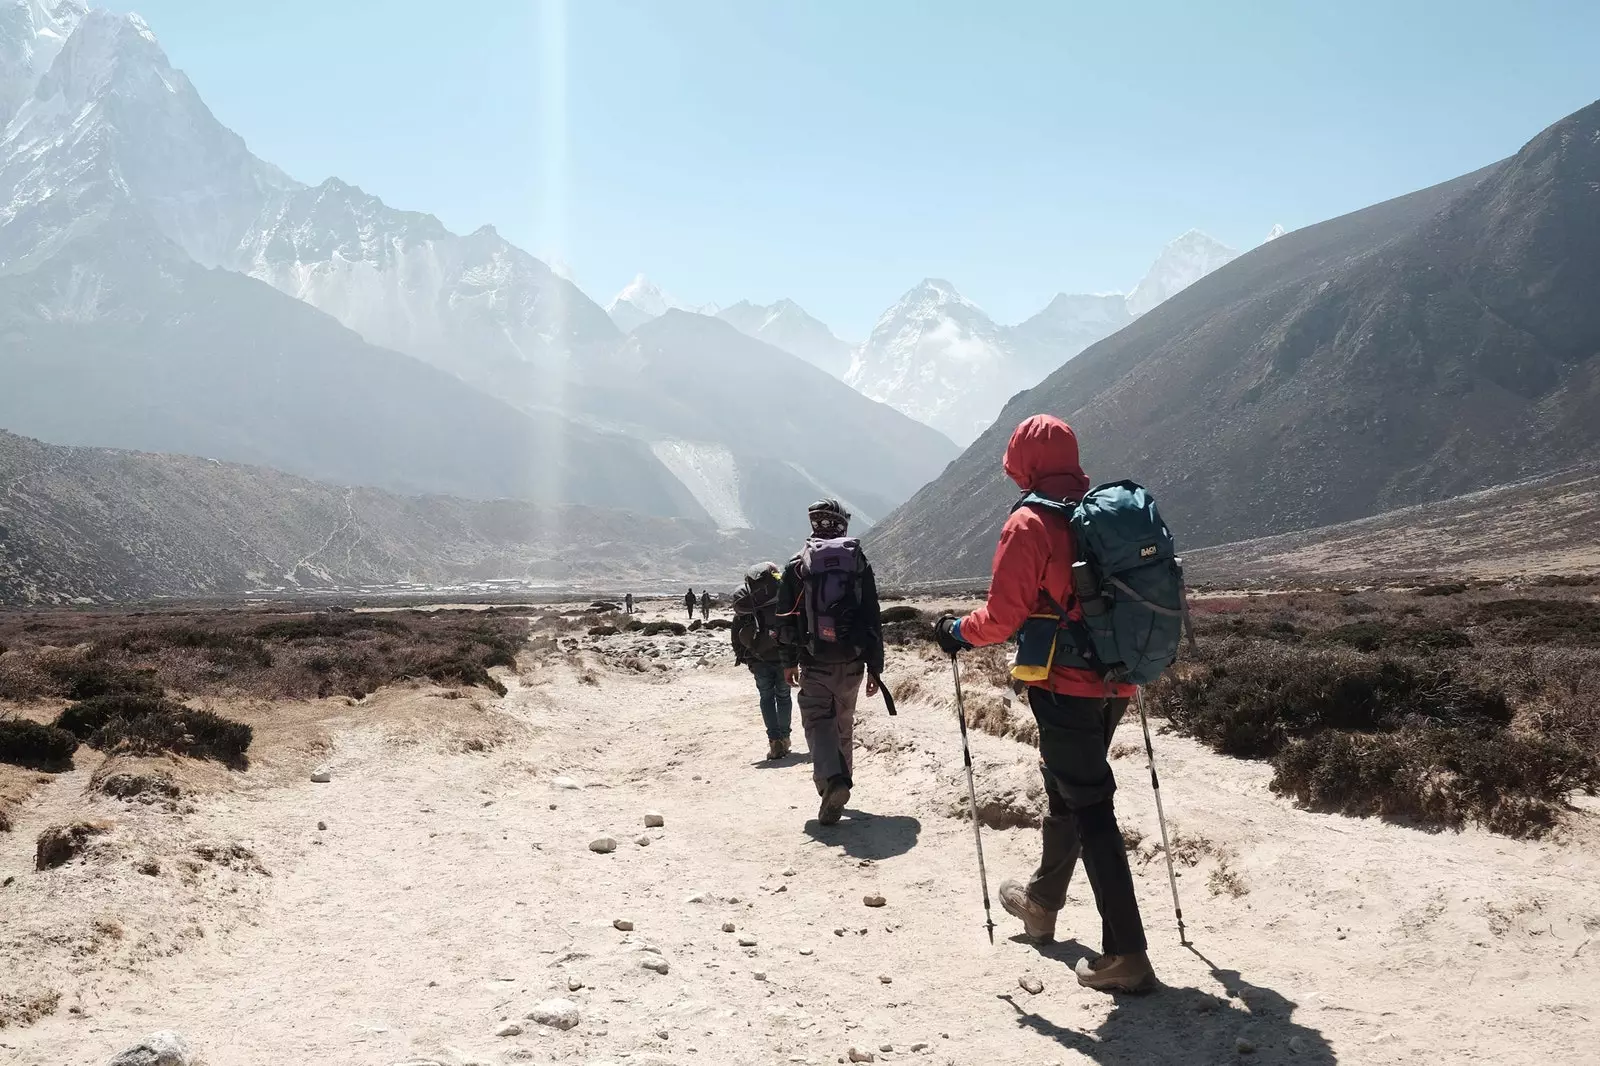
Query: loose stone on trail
x,y
654,963
747,941
565,782
623,925
642,840
603,845
321,775
165,1048
509,1029
1031,985
654,820
556,1013
728,927
874,900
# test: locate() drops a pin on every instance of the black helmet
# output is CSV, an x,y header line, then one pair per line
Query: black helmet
x,y
828,518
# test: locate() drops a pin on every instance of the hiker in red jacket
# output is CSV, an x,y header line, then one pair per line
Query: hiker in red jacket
x,y
1077,711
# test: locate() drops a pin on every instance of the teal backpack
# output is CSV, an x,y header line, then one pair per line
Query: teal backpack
x,y
1129,582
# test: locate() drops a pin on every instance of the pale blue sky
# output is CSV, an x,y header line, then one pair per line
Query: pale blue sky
x,y
838,152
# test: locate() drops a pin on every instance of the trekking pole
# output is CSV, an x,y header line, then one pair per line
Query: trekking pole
x,y
1161,817
972,796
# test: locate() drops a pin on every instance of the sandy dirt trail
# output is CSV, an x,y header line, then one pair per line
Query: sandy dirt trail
x,y
452,891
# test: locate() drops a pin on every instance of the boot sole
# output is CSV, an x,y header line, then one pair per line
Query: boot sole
x,y
1045,937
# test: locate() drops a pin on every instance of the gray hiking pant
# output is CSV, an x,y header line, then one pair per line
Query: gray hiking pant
x,y
828,714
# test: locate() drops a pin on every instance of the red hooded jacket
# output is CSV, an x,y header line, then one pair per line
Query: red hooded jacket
x,y
1035,550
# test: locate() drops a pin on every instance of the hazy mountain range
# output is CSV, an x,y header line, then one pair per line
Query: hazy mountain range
x,y
936,355
162,288
90,524
1438,343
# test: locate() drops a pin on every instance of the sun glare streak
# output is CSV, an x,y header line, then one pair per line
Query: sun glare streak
x,y
550,372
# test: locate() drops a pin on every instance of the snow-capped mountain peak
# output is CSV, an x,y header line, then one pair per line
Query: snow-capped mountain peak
x,y
936,356
1275,232
785,324
1182,262
645,295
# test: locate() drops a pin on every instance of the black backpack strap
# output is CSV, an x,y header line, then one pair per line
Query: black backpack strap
x,y
888,697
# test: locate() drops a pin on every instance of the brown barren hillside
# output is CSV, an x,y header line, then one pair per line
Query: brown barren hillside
x,y
103,526
1432,345
1542,529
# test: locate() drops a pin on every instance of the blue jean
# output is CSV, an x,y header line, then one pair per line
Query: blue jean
x,y
775,705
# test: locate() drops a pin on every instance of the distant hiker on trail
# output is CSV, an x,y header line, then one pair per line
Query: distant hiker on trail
x,y
830,637
705,605
689,602
627,604
754,621
1077,711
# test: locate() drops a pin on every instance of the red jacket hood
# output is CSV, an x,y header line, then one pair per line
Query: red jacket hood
x,y
1043,457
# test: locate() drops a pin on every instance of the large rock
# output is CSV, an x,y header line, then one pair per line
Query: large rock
x,y
165,1048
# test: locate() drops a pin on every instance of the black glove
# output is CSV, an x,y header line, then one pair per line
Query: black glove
x,y
944,631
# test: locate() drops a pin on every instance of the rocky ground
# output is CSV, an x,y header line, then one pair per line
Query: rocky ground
x,y
446,896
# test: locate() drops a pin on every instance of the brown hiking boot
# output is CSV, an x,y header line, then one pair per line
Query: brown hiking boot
x,y
783,747
1037,923
1117,973
774,749
833,801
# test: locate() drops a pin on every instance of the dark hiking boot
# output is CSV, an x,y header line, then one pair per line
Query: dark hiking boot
x,y
774,749
1117,973
1038,923
833,801
783,747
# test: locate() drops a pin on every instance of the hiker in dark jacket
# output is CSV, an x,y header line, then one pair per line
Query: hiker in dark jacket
x,y
828,648
755,646
628,603
1076,709
705,605
689,601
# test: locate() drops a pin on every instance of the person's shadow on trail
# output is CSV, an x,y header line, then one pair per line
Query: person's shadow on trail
x,y
1189,1025
862,835
794,758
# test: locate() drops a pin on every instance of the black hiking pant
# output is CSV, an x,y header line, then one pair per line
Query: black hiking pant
x,y
1074,738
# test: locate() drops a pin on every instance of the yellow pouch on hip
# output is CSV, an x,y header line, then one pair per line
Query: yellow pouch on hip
x,y
1036,648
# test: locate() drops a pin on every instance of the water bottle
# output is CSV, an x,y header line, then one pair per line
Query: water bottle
x,y
1086,588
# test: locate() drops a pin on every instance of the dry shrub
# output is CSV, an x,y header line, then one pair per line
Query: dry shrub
x,y
906,613
988,712
80,655
1440,711
59,844
1224,879
1265,695
25,1008
1437,777
36,746
910,689
1573,623
179,730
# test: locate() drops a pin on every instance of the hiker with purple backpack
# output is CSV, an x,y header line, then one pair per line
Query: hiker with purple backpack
x,y
830,638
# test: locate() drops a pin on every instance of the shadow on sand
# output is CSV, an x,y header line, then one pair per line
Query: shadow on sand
x,y
868,836
1174,1026
794,758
